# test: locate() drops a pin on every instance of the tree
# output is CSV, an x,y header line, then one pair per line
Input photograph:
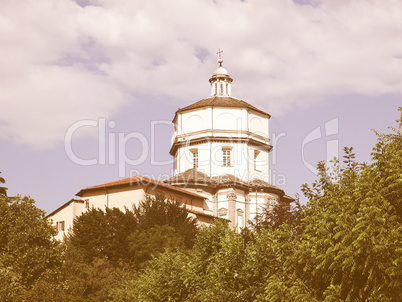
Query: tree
x,y
3,190
28,253
158,211
349,245
161,224
176,275
220,267
345,246
108,246
91,281
277,215
97,256
148,243
103,234
168,277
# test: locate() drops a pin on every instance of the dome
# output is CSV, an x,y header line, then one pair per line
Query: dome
x,y
221,102
220,81
220,71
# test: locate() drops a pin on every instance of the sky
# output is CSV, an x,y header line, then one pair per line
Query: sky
x,y
88,88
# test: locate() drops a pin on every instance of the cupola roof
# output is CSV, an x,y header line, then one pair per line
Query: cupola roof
x,y
221,102
220,71
220,74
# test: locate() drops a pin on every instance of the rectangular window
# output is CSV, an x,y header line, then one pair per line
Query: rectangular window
x,y
226,157
60,226
195,159
221,92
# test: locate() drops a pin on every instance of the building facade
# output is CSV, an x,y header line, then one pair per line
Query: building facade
x,y
221,151
124,194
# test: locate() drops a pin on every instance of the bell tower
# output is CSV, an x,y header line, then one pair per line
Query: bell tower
x,y
221,81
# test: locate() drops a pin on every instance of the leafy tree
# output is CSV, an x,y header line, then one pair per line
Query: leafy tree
x,y
3,190
219,267
161,224
145,244
174,274
158,211
28,254
108,246
98,256
166,278
349,245
277,215
344,246
91,281
103,234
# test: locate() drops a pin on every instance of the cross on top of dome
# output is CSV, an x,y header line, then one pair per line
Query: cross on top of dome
x,y
220,61
220,81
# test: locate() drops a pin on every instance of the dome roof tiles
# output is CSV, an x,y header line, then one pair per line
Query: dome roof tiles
x,y
196,177
221,102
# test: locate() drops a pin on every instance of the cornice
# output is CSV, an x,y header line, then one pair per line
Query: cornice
x,y
219,139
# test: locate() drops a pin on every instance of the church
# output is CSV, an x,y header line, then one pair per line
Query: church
x,y
221,151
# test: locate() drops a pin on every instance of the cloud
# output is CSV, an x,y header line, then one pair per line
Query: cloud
x,y
62,61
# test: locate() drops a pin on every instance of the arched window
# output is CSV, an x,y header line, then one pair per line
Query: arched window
x,y
256,161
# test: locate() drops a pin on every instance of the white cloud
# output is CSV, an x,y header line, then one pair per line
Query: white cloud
x,y
61,62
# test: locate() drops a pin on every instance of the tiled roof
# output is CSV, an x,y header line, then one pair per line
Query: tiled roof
x,y
262,184
201,213
221,101
190,176
138,180
193,176
227,179
288,198
63,206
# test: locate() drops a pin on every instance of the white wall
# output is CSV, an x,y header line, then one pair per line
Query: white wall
x,y
228,123
67,214
258,124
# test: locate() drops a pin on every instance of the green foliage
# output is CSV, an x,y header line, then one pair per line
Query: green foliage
x,y
144,244
107,247
10,284
349,247
98,256
158,211
175,274
103,234
280,213
28,254
219,267
344,245
167,278
220,256
3,190
91,281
